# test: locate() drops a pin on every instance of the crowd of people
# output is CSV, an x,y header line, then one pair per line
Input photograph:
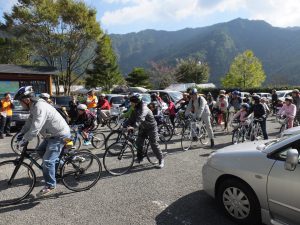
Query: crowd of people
x,y
54,123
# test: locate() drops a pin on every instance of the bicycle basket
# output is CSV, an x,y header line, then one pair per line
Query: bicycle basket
x,y
282,121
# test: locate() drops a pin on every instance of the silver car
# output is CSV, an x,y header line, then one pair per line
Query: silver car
x,y
257,181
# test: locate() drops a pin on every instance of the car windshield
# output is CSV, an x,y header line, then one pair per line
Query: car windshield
x,y
146,98
117,100
272,142
281,94
176,95
63,100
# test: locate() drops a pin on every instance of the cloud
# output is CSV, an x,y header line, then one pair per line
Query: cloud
x,y
171,11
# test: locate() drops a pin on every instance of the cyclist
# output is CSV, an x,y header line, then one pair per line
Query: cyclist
x,y
183,102
91,101
44,120
103,112
87,118
171,111
210,101
242,115
200,110
289,111
157,101
143,119
259,112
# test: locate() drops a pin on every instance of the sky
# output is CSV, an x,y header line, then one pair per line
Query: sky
x,y
124,16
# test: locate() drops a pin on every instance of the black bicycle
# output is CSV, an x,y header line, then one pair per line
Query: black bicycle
x,y
78,171
119,157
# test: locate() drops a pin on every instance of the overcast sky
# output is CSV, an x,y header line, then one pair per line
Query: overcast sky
x,y
123,16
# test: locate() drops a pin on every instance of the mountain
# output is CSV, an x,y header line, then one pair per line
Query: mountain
x,y
277,48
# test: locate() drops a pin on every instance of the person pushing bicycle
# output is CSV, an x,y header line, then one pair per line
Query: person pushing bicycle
x,y
199,108
43,119
143,119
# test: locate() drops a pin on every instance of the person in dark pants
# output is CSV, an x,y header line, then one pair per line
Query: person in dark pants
x,y
259,112
143,119
274,101
73,113
6,106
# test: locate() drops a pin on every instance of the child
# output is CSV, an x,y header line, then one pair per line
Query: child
x,y
242,114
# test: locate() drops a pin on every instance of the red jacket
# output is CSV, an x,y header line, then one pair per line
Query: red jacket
x,y
103,104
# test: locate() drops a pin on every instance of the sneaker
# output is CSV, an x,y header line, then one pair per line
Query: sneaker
x,y
9,135
45,191
161,164
1,136
86,143
195,138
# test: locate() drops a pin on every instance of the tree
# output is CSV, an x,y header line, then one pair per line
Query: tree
x,y
13,51
138,78
192,71
246,71
105,71
62,34
161,75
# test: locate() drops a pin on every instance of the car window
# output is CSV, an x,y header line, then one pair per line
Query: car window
x,y
176,96
164,96
282,154
117,100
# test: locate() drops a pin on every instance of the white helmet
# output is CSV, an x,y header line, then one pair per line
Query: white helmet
x,y
102,95
44,95
82,107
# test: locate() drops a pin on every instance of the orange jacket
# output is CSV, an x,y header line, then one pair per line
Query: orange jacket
x,y
92,101
6,106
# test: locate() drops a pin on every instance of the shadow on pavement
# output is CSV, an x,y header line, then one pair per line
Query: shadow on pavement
x,y
21,207
194,209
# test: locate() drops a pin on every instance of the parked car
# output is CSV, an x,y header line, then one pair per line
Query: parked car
x,y
266,95
256,182
283,94
174,95
243,94
146,98
291,131
115,100
61,101
19,117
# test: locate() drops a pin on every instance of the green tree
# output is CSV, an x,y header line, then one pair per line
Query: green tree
x,y
62,34
246,71
192,71
105,71
13,51
138,78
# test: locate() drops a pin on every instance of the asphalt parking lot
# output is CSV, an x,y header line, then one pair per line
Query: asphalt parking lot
x,y
144,196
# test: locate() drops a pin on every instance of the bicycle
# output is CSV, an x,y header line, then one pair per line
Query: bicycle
x,y
165,129
97,138
112,121
240,131
78,171
119,158
196,127
33,144
256,131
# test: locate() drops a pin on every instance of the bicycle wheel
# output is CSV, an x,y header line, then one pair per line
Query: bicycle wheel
x,y
165,132
112,123
20,186
186,139
235,136
81,171
118,164
151,157
34,144
98,140
178,128
203,136
113,137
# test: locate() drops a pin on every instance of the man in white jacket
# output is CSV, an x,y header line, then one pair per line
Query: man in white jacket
x,y
199,108
43,119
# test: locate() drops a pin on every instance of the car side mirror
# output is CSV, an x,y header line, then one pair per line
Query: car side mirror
x,y
292,158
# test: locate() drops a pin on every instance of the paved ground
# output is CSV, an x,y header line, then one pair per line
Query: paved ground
x,y
144,196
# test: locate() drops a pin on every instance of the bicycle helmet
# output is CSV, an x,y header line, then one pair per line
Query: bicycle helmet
x,y
136,98
296,91
245,105
222,92
209,94
289,98
102,95
82,107
153,95
235,93
194,91
24,92
256,97
44,95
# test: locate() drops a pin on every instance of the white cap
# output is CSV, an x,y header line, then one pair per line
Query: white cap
x,y
82,107
44,95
